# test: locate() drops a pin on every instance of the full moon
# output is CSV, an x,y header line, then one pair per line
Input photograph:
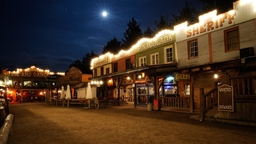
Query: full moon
x,y
104,13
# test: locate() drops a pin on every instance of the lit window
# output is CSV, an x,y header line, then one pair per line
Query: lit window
x,y
154,59
27,83
168,54
193,49
142,61
231,39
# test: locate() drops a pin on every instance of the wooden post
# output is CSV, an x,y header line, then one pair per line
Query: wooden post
x,y
191,104
118,94
134,91
202,103
156,86
63,102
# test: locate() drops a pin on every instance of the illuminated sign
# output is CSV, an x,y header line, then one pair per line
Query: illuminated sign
x,y
182,77
28,74
164,37
218,22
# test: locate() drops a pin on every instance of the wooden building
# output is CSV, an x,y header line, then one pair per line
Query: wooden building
x,y
188,68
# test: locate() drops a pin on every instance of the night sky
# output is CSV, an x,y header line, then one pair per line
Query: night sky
x,y
52,34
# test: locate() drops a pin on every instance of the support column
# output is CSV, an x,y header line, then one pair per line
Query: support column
x,y
134,91
156,87
119,81
191,105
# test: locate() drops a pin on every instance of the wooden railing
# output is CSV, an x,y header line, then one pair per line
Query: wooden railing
x,y
244,88
208,100
176,102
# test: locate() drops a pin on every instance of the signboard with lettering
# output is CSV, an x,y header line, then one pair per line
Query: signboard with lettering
x,y
182,77
28,74
225,98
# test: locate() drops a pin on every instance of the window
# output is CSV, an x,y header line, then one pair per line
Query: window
x,y
154,59
101,71
27,83
170,86
193,49
128,63
95,72
142,61
115,68
107,70
168,54
187,89
231,39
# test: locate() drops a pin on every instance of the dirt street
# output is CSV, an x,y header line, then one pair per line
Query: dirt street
x,y
40,123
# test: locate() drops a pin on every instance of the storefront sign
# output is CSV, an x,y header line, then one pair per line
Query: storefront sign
x,y
182,77
225,98
161,38
101,61
216,23
28,74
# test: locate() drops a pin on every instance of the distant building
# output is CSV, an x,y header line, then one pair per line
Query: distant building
x,y
29,84
77,80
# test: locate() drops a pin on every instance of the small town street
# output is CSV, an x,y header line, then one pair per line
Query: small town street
x,y
41,123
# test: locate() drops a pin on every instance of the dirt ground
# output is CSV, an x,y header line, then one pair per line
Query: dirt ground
x,y
40,123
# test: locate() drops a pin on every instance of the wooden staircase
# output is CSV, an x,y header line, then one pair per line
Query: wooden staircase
x,y
208,101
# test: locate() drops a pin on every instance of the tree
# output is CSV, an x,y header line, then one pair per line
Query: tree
x,y
149,33
85,63
132,34
113,46
220,5
164,23
76,63
187,13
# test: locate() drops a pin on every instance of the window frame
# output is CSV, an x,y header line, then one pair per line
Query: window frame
x,y
144,58
115,67
165,54
101,70
151,58
189,49
227,41
128,63
95,72
107,71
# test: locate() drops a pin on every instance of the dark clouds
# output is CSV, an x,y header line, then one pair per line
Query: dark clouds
x,y
54,33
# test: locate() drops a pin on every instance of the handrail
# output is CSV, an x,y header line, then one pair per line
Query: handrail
x,y
211,91
208,100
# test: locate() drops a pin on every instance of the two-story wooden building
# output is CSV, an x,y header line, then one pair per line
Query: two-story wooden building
x,y
177,66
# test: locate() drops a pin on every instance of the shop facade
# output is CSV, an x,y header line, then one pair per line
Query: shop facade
x,y
30,84
180,64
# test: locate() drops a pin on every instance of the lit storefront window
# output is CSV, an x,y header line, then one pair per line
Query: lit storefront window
x,y
27,83
187,89
170,86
